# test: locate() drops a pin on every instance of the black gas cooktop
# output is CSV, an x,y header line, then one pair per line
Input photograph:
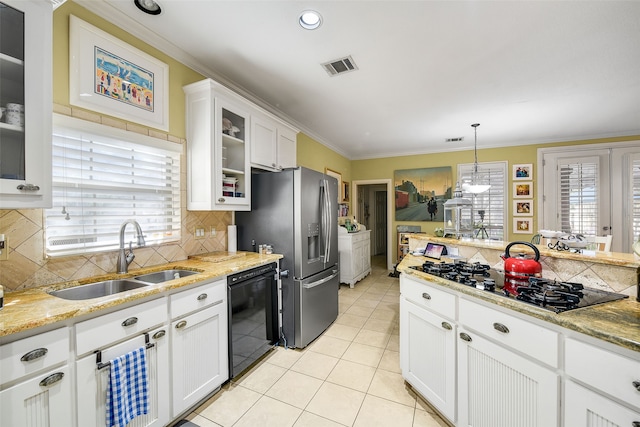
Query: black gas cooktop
x,y
548,294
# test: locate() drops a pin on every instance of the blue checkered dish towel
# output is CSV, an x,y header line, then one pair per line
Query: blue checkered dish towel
x,y
128,390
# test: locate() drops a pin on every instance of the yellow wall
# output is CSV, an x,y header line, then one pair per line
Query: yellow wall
x,y
384,168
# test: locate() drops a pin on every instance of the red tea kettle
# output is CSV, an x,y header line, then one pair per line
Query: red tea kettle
x,y
518,269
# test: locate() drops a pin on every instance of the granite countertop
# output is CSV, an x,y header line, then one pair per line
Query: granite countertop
x,y
616,322
33,308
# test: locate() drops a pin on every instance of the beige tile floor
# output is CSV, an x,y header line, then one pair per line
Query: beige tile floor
x,y
349,376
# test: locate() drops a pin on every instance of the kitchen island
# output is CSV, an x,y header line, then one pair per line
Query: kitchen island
x,y
484,359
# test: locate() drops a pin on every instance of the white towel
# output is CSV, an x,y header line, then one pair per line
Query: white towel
x,y
128,391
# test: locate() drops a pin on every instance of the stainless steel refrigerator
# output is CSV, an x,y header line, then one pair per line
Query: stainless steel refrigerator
x,y
296,212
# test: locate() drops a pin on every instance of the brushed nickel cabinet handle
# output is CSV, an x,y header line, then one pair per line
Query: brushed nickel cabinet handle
x,y
181,324
465,337
636,384
635,424
28,187
426,295
34,354
202,297
52,379
221,200
159,334
500,328
130,321
447,326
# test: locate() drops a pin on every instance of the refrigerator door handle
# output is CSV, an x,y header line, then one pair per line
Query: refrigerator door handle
x,y
326,216
321,281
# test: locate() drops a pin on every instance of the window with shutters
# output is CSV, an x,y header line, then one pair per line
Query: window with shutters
x,y
103,176
489,208
635,197
578,196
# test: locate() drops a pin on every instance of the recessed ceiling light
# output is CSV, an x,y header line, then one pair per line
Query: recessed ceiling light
x,y
148,6
310,20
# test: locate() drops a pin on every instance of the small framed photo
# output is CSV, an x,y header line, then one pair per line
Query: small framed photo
x,y
523,172
522,225
522,190
523,207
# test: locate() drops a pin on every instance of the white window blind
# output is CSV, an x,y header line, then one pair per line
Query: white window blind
x,y
635,177
100,181
492,201
578,197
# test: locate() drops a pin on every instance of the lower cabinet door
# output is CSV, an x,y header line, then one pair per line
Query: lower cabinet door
x,y
42,401
199,355
427,356
587,408
498,388
93,383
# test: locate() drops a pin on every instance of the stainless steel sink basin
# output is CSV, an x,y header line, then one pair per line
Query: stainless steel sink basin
x,y
98,289
164,275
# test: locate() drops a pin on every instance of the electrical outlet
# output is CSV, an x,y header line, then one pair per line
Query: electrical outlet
x,y
4,249
199,233
213,232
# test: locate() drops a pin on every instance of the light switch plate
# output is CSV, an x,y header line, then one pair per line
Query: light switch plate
x,y
5,251
199,233
213,231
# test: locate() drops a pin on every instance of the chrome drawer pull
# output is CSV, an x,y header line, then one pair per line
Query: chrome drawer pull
x,y
202,297
52,379
159,334
636,384
465,337
28,187
181,324
130,321
426,295
34,354
447,326
500,328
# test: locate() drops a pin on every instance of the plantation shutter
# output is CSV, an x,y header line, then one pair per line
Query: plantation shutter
x,y
100,181
578,195
635,209
492,201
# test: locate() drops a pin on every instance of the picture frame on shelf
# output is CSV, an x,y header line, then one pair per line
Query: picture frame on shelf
x,y
522,225
111,77
338,176
523,172
523,190
523,207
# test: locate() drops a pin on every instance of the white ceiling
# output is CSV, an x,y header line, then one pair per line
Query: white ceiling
x,y
527,71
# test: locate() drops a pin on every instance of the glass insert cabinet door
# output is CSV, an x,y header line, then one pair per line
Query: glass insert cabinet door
x,y
12,93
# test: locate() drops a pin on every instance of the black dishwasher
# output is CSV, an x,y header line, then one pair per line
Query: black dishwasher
x,y
253,315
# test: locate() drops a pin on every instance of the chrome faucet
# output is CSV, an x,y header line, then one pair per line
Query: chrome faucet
x,y
124,259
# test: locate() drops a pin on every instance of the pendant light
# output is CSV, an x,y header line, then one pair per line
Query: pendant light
x,y
475,187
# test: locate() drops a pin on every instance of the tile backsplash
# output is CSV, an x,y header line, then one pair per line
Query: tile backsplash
x,y
28,267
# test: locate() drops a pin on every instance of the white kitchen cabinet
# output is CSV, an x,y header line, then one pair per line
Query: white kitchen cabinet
x,y
200,361
92,382
273,144
584,407
355,255
428,343
44,400
218,148
25,79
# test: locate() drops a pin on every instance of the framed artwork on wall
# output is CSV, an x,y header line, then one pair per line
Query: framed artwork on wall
x,y
522,190
420,193
345,191
523,172
111,77
523,207
522,225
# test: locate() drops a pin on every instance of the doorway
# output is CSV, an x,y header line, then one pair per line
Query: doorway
x,y
373,209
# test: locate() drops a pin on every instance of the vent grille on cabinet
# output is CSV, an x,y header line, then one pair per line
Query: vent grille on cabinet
x,y
340,66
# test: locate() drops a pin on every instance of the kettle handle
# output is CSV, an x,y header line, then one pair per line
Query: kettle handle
x,y
535,250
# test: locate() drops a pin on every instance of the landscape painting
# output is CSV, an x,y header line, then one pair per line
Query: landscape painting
x,y
420,193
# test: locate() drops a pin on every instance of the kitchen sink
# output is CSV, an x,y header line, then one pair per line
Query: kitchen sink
x,y
97,289
164,275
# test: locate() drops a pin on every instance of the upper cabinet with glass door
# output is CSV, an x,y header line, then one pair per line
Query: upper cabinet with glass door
x,y
218,151
26,103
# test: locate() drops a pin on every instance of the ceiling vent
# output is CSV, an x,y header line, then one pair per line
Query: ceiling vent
x,y
340,66
458,139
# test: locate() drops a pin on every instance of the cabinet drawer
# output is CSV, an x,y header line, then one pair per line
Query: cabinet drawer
x,y
197,298
607,371
33,354
529,338
104,330
428,296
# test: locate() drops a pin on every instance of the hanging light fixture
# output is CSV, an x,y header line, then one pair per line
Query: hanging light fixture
x,y
475,187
